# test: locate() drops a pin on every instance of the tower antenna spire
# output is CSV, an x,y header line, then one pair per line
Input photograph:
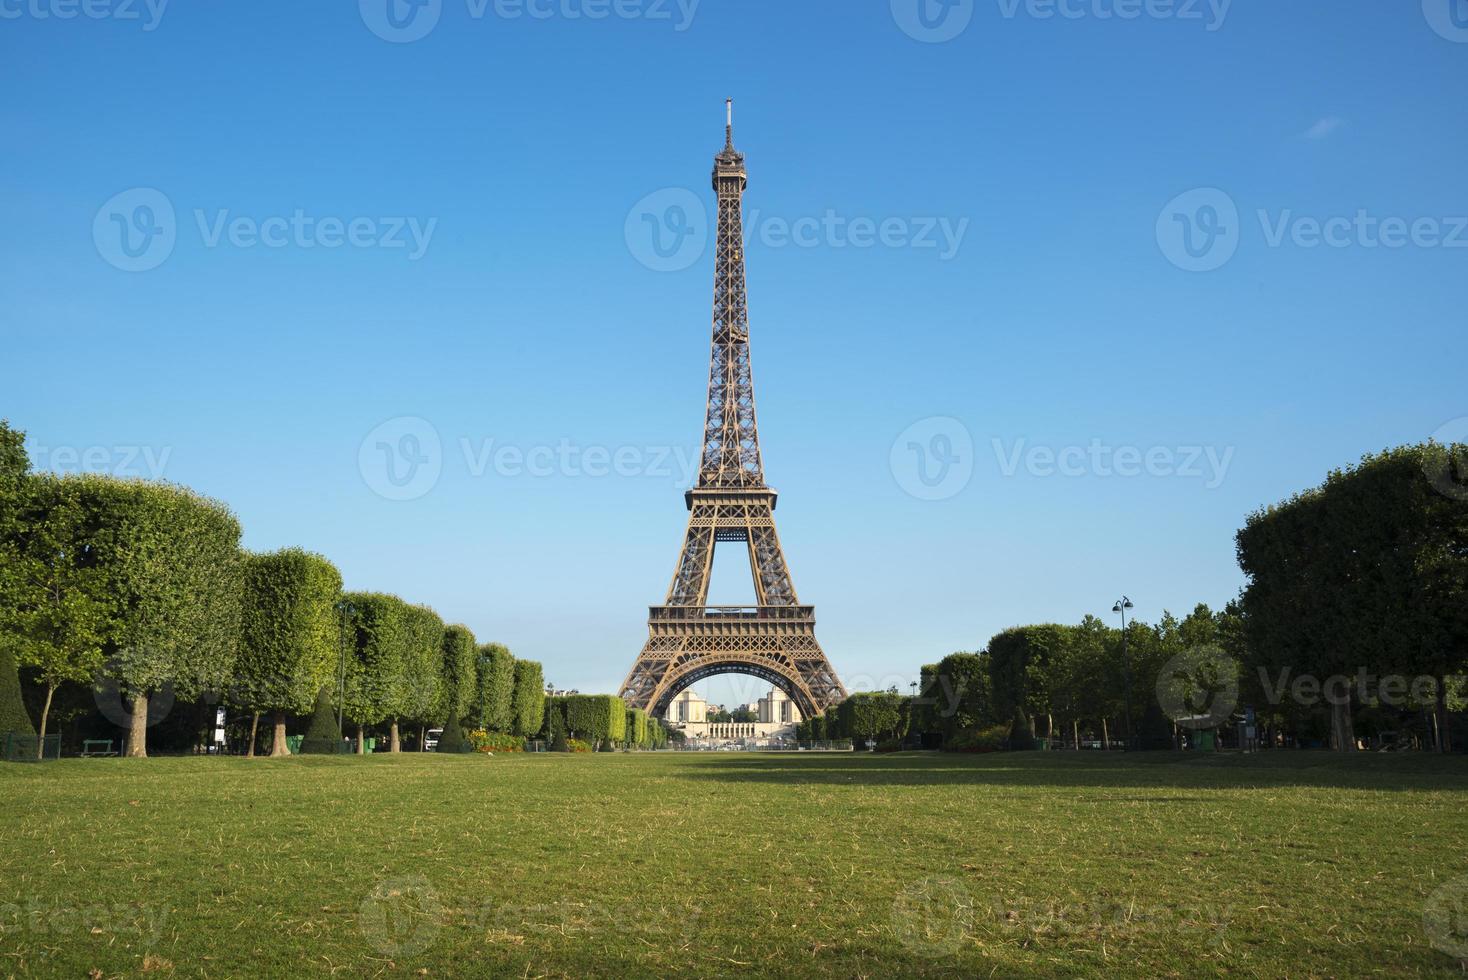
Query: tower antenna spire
x,y
729,123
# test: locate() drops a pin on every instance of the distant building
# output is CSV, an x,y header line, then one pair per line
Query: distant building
x,y
777,714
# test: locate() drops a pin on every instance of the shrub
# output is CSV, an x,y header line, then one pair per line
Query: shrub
x,y
989,739
321,734
576,745
1021,732
483,741
452,740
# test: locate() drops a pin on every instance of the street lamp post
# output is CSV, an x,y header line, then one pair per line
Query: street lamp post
x,y
1121,606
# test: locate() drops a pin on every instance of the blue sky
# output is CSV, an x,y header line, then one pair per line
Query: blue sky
x,y
1093,299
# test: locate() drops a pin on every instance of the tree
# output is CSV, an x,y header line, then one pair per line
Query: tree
x,y
14,467
375,672
288,637
496,688
529,697
960,694
172,562
1365,572
874,715
599,718
460,673
423,671
60,610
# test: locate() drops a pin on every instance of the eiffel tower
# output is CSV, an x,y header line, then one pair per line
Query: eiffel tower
x,y
688,639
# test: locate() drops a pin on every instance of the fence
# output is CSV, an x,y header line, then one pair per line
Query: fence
x,y
28,748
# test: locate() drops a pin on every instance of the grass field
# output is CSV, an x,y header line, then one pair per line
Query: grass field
x,y
1036,864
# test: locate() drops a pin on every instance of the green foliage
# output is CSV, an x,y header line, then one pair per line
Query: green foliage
x,y
289,631
375,672
13,716
874,715
56,608
423,671
638,732
321,732
528,698
173,565
989,738
959,693
1367,570
496,688
601,718
576,745
460,673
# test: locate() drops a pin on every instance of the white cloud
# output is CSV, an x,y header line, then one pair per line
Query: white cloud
x,y
1323,128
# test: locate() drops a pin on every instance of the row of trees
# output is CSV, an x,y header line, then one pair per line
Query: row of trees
x,y
1355,610
141,591
603,720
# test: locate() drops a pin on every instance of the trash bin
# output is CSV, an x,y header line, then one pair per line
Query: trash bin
x,y
1207,740
293,743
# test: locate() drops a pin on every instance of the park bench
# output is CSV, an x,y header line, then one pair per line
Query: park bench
x,y
97,747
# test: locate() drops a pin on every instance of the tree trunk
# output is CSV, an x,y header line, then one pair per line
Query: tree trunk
x,y
397,740
361,741
137,735
1105,735
279,747
1050,728
422,738
1444,734
41,741
1075,727
254,729
1342,729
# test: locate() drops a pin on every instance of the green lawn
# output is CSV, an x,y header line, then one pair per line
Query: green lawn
x,y
1037,864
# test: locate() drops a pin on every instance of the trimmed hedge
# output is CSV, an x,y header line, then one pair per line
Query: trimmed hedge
x,y
460,676
496,705
375,678
528,699
321,734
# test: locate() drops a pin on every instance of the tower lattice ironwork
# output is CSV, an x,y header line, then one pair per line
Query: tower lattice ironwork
x,y
688,639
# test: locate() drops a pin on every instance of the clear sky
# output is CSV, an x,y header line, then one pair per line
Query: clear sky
x,y
1002,255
